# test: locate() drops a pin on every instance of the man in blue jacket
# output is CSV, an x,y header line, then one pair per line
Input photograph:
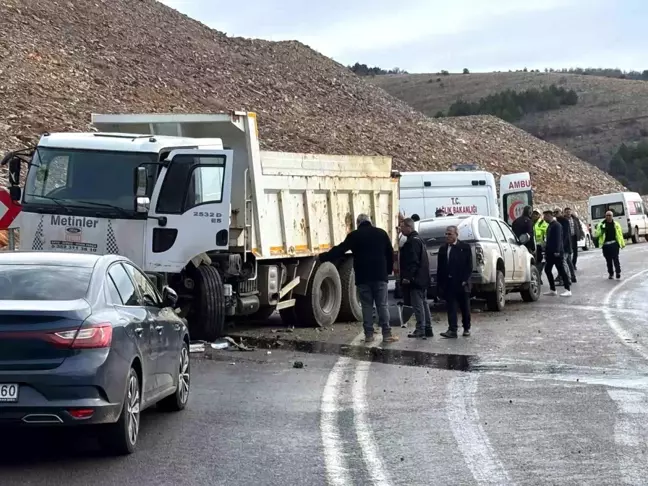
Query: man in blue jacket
x,y
555,255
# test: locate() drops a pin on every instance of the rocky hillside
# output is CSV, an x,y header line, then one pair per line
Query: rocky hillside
x,y
61,60
609,111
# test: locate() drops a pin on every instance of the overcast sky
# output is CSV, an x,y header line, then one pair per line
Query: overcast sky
x,y
431,35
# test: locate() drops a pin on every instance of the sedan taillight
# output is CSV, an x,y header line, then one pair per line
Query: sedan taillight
x,y
87,337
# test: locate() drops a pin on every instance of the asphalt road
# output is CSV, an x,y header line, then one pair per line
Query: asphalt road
x,y
554,393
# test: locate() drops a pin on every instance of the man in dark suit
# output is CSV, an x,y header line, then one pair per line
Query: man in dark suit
x,y
555,255
415,278
454,269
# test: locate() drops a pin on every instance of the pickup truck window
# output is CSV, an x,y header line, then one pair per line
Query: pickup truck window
x,y
499,234
510,237
484,231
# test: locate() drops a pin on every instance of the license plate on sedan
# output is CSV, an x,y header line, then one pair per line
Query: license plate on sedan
x,y
8,392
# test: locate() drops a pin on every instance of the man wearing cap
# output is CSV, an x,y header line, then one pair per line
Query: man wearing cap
x,y
611,240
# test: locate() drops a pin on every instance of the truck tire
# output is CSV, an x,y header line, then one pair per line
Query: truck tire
x,y
635,235
207,318
495,300
532,293
350,309
321,304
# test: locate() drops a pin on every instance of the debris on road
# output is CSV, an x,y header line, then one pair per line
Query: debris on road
x,y
221,344
240,346
197,348
298,365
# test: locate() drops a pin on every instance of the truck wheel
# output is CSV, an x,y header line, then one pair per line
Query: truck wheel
x,y
350,309
495,300
532,293
321,304
635,235
207,319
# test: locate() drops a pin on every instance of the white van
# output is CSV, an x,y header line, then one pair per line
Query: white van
x,y
456,192
463,193
629,211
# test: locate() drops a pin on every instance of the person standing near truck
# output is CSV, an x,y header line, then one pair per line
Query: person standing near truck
x,y
523,225
373,260
575,232
415,278
611,240
555,255
540,234
567,245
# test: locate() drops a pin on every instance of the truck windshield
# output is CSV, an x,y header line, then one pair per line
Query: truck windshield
x,y
81,178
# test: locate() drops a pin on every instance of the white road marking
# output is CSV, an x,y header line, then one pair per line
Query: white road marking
x,y
590,308
630,434
471,438
625,336
368,445
336,467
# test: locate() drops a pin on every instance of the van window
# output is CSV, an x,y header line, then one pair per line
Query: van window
x,y
484,231
635,207
598,211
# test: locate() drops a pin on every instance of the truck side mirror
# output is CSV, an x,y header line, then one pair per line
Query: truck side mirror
x,y
15,166
141,182
15,192
142,204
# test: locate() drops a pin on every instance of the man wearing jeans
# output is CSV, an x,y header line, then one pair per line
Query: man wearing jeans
x,y
373,261
415,278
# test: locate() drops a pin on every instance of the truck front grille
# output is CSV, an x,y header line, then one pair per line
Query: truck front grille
x,y
247,287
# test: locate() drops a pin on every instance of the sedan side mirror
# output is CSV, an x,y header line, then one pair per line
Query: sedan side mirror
x,y
169,297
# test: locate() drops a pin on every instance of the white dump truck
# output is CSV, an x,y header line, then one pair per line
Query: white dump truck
x,y
192,199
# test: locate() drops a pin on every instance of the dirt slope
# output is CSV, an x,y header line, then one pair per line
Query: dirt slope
x,y
609,111
62,60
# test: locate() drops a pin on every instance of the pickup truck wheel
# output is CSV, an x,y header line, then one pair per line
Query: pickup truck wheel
x,y
635,235
350,308
207,317
495,300
532,293
321,304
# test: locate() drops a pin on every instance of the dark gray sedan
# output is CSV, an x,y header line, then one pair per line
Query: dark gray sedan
x,y
87,340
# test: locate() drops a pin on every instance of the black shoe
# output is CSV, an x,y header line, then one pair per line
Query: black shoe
x,y
618,276
449,334
429,332
610,277
574,280
466,333
416,335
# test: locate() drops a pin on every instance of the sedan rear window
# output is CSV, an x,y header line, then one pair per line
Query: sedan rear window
x,y
43,282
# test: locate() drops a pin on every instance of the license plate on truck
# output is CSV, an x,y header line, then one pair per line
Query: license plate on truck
x,y
8,392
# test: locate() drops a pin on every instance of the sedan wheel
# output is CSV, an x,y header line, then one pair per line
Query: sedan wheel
x,y
120,438
178,401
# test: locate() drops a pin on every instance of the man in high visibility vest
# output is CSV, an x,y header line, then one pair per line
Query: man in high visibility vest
x,y
610,238
540,233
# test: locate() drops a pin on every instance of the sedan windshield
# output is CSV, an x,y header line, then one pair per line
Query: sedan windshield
x,y
43,282
85,178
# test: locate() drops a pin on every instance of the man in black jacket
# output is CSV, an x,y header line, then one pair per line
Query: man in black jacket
x,y
576,233
524,225
554,255
415,278
454,269
373,262
567,244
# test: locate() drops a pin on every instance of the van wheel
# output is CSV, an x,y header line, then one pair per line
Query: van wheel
x,y
321,304
496,300
532,293
635,235
350,308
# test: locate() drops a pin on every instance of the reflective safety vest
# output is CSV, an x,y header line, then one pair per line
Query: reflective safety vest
x,y
599,232
540,231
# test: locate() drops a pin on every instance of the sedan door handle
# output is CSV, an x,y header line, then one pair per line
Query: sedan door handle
x,y
139,331
159,329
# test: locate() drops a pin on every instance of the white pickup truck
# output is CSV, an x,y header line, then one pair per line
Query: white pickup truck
x,y
194,201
